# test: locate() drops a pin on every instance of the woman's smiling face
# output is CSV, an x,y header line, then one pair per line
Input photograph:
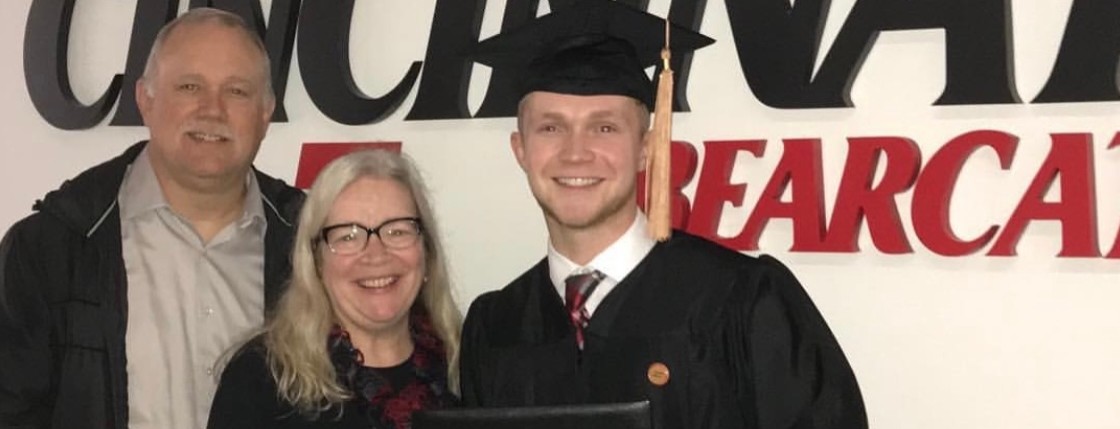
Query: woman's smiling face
x,y
372,290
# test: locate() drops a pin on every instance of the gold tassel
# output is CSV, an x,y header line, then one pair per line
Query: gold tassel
x,y
658,144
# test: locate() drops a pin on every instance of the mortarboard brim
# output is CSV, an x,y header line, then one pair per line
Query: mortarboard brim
x,y
593,47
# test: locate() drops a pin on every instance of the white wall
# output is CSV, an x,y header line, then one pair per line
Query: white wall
x,y
973,342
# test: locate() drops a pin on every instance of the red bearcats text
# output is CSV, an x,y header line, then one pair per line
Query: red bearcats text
x,y
860,201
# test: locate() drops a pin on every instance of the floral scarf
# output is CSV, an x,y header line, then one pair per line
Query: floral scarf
x,y
384,406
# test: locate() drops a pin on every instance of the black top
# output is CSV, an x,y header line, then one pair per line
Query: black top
x,y
386,398
247,398
743,345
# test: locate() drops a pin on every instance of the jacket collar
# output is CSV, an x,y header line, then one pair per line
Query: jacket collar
x,y
84,202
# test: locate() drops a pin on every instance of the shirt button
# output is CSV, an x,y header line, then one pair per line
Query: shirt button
x,y
209,311
209,371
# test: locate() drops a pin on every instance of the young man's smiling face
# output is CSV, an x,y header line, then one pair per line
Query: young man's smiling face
x,y
581,155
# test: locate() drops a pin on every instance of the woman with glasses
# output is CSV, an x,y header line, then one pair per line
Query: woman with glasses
x,y
367,332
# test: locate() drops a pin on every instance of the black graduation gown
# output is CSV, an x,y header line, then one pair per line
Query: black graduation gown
x,y
744,345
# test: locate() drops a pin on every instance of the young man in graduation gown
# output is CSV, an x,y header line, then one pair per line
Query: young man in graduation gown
x,y
711,337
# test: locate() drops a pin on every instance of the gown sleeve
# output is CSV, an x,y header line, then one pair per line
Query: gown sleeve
x,y
473,341
788,369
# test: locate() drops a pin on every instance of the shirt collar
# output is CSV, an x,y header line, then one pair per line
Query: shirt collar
x,y
254,202
140,193
616,261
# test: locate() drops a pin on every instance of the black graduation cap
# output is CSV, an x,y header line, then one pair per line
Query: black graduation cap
x,y
602,47
592,47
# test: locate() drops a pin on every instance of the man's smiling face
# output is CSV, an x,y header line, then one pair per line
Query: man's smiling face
x,y
581,155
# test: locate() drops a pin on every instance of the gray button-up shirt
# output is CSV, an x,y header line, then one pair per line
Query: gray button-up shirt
x,y
189,302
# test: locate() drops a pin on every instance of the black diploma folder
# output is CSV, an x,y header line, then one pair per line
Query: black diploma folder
x,y
630,415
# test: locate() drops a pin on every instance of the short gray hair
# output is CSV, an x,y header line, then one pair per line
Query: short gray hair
x,y
199,16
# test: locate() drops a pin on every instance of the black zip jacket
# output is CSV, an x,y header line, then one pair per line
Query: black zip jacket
x,y
63,306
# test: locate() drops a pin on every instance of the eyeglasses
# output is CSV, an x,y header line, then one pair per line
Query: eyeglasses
x,y
351,238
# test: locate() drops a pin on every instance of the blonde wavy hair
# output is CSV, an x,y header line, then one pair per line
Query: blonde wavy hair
x,y
297,334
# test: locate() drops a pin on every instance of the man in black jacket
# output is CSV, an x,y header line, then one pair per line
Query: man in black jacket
x,y
120,292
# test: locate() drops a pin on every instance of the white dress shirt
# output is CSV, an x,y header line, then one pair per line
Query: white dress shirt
x,y
616,261
188,301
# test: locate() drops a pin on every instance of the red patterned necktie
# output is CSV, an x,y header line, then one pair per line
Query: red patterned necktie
x,y
577,288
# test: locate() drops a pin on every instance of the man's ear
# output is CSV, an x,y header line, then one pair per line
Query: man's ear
x,y
143,98
269,107
518,146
